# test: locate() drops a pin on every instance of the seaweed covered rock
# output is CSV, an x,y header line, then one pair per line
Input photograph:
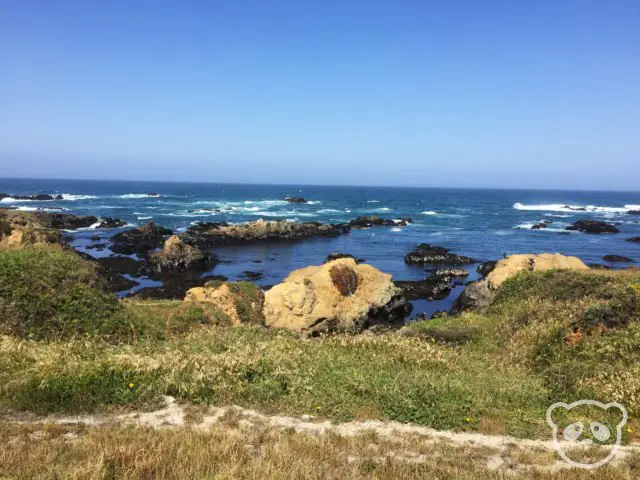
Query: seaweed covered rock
x,y
241,302
337,296
178,256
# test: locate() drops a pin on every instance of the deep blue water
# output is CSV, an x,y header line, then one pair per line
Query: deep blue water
x,y
482,224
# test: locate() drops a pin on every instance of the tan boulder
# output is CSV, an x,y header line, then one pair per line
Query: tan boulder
x,y
20,229
337,296
242,302
514,264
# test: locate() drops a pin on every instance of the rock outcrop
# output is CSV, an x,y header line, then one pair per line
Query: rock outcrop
x,y
19,229
432,255
242,302
480,294
177,256
35,197
376,221
140,240
209,235
634,239
337,296
593,226
617,259
295,200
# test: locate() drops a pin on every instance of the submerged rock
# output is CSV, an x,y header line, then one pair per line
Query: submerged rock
x,y
634,239
633,212
209,235
617,258
427,254
140,240
542,224
593,226
431,288
337,296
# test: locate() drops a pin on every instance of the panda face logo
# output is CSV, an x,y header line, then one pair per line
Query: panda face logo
x,y
600,432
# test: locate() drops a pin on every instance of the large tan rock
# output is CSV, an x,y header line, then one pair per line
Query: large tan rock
x,y
480,294
177,256
20,229
337,296
514,264
242,302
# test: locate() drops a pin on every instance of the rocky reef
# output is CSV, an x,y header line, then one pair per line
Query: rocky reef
x,y
593,226
210,235
432,255
140,240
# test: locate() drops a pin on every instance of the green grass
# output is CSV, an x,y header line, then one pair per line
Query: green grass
x,y
546,338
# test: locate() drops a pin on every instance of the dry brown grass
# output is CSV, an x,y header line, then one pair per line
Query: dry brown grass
x,y
230,451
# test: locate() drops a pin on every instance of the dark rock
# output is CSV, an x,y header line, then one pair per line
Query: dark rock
x,y
4,195
476,295
431,288
439,314
97,246
451,272
486,268
633,212
617,258
335,256
251,275
140,240
634,239
593,226
256,260
598,266
376,221
109,222
542,224
427,254
174,285
95,238
295,200
392,314
153,194
119,264
66,221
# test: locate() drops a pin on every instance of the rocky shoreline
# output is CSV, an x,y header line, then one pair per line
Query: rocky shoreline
x,y
185,260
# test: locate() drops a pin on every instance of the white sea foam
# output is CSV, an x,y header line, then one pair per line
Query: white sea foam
x,y
72,197
137,195
328,210
144,218
347,210
524,226
40,209
429,212
383,209
313,202
563,207
373,201
396,229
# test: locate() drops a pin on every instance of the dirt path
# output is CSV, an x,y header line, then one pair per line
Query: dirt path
x,y
498,448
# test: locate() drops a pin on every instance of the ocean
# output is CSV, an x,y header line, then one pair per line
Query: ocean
x,y
482,224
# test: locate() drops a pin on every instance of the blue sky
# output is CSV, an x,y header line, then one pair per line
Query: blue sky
x,y
457,93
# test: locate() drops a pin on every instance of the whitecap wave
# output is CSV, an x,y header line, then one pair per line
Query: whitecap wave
x,y
144,218
328,210
396,229
563,207
429,212
524,226
313,202
137,195
40,209
383,209
373,201
72,197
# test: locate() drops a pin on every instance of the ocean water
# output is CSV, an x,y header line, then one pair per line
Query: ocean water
x,y
482,224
